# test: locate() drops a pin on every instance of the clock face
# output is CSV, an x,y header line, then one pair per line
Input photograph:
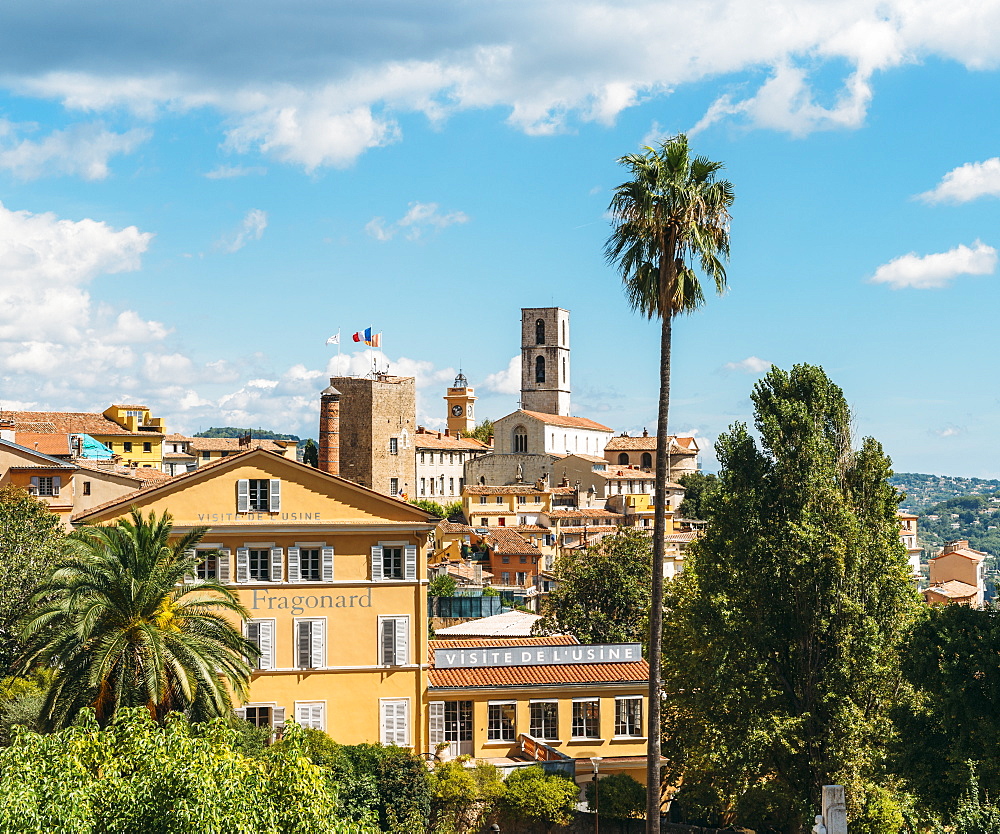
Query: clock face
x,y
457,410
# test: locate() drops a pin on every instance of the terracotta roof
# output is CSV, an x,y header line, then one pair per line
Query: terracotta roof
x,y
905,514
447,443
569,422
232,444
473,511
680,538
624,443
953,589
510,489
453,527
589,513
964,552
177,438
596,528
464,571
589,458
528,528
563,490
177,456
619,473
130,407
510,543
67,422
46,443
500,676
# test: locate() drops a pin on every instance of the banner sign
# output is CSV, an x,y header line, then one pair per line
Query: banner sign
x,y
536,655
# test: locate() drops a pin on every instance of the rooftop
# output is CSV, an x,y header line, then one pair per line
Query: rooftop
x,y
67,422
569,422
510,543
647,443
508,624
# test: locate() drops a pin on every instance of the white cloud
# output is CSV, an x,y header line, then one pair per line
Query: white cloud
x,y
507,381
81,150
751,365
936,270
252,228
949,431
418,218
226,172
967,182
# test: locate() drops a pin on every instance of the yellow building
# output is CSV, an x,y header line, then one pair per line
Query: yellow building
x,y
333,576
514,505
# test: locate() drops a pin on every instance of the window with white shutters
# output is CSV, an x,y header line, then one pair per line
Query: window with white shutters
x,y
311,714
208,567
225,555
395,721
326,564
436,725
261,634
310,649
410,563
242,564
259,564
394,641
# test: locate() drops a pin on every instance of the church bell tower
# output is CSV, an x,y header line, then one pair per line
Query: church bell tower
x,y
460,399
545,360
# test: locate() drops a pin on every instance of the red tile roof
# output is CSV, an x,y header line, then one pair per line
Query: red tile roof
x,y
953,589
624,443
67,422
47,444
588,513
510,489
510,543
439,441
232,444
569,422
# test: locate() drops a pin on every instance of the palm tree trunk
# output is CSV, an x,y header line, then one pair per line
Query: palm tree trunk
x,y
656,601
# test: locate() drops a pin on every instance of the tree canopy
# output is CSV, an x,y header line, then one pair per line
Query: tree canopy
x,y
785,626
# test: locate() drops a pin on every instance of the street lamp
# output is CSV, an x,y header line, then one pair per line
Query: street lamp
x,y
596,762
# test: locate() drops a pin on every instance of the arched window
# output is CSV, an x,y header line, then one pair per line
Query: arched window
x,y
623,459
539,369
647,460
540,332
520,439
564,334
564,369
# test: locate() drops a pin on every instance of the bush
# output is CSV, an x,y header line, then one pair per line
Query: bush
x,y
621,797
533,795
442,586
463,798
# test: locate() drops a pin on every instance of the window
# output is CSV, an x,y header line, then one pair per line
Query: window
x,y
505,577
501,522
540,332
261,634
544,720
522,577
451,457
564,333
393,445
45,485
260,565
86,487
260,491
647,460
500,722
499,499
309,649
258,716
395,721
310,564
483,499
539,369
522,499
432,485
458,721
258,495
422,457
392,562
505,560
564,369
451,485
586,719
206,455
628,716
147,447
127,446
524,560
623,459
393,641
394,486
208,567
423,486
311,714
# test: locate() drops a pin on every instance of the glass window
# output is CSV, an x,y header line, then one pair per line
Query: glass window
x,y
259,716
505,577
127,446
545,720
208,567
458,720
394,486
206,455
147,447
260,565
505,559
522,577
309,564
520,439
260,494
586,719
392,562
522,499
524,560
86,487
393,445
501,721
46,486
628,716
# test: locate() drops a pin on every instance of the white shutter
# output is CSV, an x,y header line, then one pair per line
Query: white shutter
x,y
401,723
316,717
402,641
56,483
436,723
318,657
265,636
242,564
274,499
293,565
410,563
377,563
327,569
252,633
241,713
303,651
190,576
243,496
277,564
34,485
278,718
387,642
388,722
303,712
224,556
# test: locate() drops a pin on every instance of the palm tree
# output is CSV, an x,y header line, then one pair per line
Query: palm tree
x,y
672,214
124,626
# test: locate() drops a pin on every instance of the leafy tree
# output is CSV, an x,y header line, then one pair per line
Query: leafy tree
x,y
671,214
602,594
786,624
432,507
232,431
21,702
31,540
463,798
617,797
310,453
482,432
532,795
454,510
698,488
402,785
135,777
951,731
122,628
442,586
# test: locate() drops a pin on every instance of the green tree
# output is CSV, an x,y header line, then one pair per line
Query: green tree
x,y
442,586
432,507
31,540
670,215
531,795
698,488
602,594
786,624
620,797
482,432
310,453
462,797
123,628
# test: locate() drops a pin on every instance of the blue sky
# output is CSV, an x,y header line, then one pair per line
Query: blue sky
x,y
194,197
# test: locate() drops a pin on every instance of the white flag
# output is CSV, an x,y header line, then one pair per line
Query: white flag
x,y
334,340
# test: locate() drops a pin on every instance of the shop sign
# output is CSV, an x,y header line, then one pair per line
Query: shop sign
x,y
536,655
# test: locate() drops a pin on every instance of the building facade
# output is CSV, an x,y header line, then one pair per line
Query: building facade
x,y
545,379
440,460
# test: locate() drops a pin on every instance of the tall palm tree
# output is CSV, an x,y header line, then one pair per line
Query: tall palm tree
x,y
122,627
671,216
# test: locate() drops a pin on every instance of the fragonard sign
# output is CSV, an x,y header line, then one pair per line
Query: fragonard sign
x,y
536,655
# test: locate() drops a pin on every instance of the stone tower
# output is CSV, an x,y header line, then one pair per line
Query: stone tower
x,y
461,419
545,360
377,422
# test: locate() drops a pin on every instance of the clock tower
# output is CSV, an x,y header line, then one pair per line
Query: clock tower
x,y
461,419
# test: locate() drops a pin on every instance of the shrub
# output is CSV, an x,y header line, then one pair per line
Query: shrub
x,y
621,797
533,795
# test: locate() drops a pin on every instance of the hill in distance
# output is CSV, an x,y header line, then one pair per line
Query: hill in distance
x,y
924,491
232,431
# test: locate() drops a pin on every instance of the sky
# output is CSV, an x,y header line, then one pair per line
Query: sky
x,y
195,197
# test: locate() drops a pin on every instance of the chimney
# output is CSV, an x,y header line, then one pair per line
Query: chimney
x,y
645,433
951,547
447,433
329,430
